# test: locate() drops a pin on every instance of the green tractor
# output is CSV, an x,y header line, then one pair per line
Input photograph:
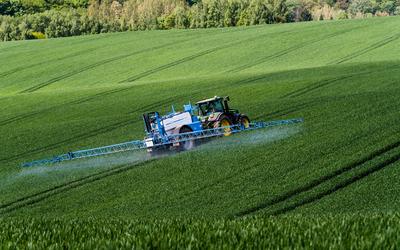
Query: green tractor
x,y
215,113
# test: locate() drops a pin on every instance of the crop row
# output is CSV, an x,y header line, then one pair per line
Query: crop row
x,y
372,231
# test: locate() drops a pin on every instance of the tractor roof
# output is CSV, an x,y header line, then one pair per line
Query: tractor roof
x,y
209,100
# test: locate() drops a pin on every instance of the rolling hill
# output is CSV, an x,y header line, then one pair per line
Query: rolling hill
x,y
342,77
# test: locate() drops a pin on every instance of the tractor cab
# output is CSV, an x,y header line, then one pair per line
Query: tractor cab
x,y
212,105
215,112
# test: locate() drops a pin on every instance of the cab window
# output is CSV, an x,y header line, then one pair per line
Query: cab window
x,y
218,107
206,109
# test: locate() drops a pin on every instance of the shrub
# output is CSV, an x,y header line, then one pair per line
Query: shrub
x,y
258,12
166,22
341,14
38,35
214,13
232,13
358,7
387,7
181,17
327,12
397,10
300,10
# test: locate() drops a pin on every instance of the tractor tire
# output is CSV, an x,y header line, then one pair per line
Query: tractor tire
x,y
186,145
224,121
244,122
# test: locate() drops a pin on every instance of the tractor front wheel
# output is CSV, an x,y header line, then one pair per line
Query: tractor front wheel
x,y
245,122
225,122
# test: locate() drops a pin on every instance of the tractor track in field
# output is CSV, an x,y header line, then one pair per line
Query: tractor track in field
x,y
320,84
105,61
65,187
219,181
317,182
81,136
289,50
20,117
24,116
191,57
71,55
94,65
63,105
340,185
291,109
251,79
317,85
331,150
169,65
287,110
18,69
366,50
241,173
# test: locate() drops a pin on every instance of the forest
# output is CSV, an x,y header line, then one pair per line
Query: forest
x,y
38,19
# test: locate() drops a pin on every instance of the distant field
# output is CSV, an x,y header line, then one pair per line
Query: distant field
x,y
342,77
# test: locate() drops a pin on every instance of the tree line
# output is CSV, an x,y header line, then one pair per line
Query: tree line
x,y
61,18
22,7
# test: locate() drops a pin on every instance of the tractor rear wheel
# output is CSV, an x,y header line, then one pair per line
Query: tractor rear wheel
x,y
245,122
224,121
186,145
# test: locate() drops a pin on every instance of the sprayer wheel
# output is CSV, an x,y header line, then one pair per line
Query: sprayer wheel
x,y
245,122
186,145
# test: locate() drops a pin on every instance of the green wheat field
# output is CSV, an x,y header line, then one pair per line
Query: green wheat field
x,y
332,181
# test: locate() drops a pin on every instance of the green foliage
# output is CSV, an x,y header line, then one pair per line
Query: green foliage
x,y
300,10
333,232
68,22
112,16
166,22
197,16
388,7
191,2
214,10
181,19
361,6
355,7
38,35
342,15
232,13
22,7
177,19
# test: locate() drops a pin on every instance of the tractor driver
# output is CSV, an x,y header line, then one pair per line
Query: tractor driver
x,y
210,109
